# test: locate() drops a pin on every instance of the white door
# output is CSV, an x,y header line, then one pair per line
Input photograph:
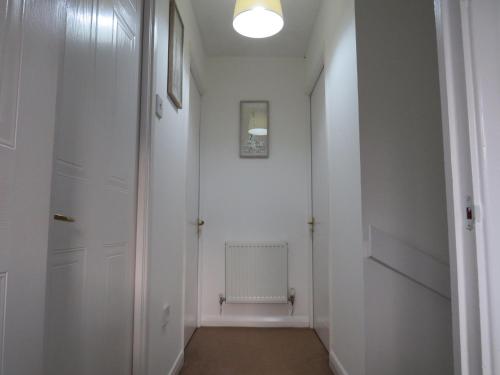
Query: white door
x,y
321,213
92,242
192,197
29,58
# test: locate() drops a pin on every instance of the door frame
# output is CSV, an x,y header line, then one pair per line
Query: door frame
x,y
454,204
478,22
460,285
310,199
142,261
193,75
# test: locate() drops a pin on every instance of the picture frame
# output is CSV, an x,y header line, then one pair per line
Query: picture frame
x,y
175,55
254,129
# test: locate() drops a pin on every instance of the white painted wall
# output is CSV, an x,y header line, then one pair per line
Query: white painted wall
x,y
333,44
400,123
408,327
168,195
249,199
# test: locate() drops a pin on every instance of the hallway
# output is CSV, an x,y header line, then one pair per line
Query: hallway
x,y
249,187
252,351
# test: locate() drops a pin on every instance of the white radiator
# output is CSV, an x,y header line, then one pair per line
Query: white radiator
x,y
256,272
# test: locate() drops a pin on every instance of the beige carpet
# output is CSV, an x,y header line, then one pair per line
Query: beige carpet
x,y
255,351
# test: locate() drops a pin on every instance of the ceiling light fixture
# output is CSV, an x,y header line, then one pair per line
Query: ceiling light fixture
x,y
258,124
258,18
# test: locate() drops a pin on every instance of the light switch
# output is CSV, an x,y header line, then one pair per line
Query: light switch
x,y
159,106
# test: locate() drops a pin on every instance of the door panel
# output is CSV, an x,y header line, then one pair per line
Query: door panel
x,y
71,190
66,273
193,188
10,68
95,169
321,214
118,330
29,63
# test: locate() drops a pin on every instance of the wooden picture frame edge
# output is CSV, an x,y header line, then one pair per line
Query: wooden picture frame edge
x,y
173,11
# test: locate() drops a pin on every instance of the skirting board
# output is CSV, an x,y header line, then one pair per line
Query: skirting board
x,y
252,321
179,362
336,366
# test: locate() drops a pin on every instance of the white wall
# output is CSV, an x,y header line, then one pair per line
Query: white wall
x,y
400,123
390,158
333,44
168,195
408,327
254,199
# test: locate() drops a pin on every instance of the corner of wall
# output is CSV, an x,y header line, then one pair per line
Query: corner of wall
x,y
195,47
335,364
333,44
177,366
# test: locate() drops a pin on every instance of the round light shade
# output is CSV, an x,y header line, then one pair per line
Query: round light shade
x,y
258,18
257,124
258,131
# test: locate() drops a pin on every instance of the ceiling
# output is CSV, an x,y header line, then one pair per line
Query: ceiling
x,y
215,20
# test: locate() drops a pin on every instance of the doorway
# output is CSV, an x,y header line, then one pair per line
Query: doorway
x,y
91,259
194,224
320,224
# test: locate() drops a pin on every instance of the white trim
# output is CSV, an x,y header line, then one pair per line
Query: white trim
x,y
310,268
463,278
200,246
477,180
453,198
177,366
183,319
201,91
409,261
253,321
310,197
336,366
143,195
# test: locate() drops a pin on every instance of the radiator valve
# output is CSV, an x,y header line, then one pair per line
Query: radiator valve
x,y
291,299
222,300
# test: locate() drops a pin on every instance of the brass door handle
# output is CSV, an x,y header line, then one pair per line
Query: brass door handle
x,y
201,222
312,223
66,219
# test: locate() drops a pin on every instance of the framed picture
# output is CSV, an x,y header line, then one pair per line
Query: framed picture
x,y
254,129
175,55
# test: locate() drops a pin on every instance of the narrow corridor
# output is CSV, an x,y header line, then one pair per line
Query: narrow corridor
x,y
255,351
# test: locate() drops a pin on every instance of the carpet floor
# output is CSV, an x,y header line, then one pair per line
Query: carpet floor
x,y
255,351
